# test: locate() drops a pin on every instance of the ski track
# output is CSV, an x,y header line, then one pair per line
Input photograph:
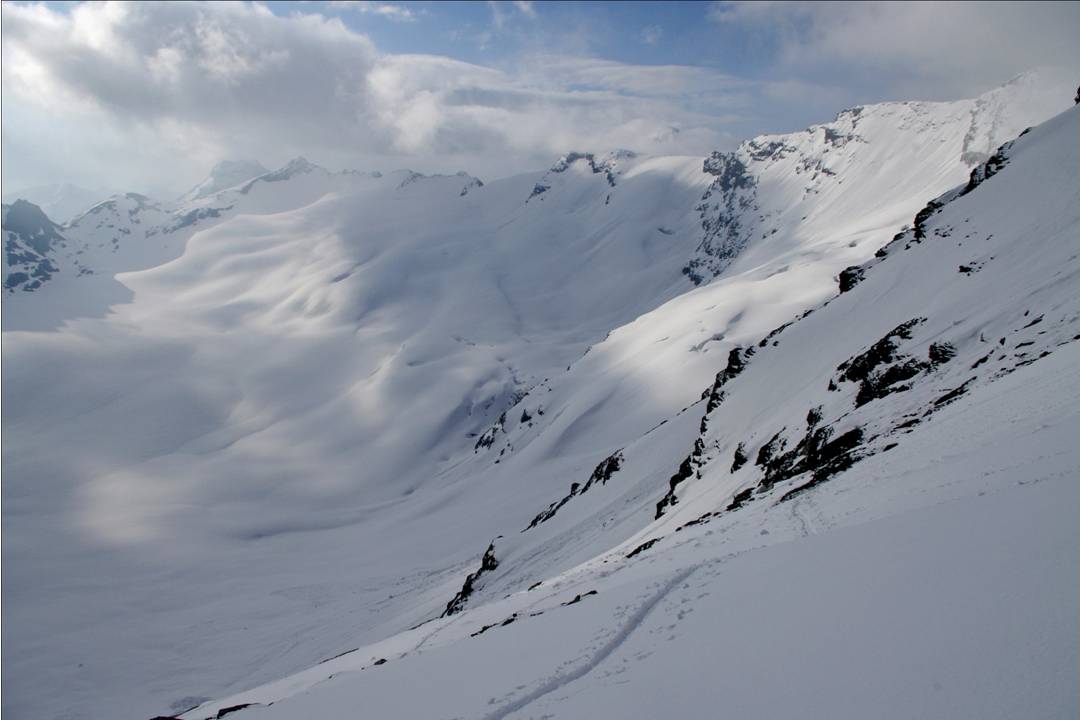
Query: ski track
x,y
804,527
600,656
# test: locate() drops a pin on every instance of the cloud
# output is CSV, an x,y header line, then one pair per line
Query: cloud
x,y
132,88
940,50
501,17
147,96
399,13
651,35
526,8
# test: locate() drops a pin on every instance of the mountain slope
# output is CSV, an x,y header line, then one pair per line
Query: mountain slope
x,y
312,413
30,239
929,555
61,202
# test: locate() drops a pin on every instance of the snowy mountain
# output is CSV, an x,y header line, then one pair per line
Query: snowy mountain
x,y
425,421
61,202
30,241
226,174
922,424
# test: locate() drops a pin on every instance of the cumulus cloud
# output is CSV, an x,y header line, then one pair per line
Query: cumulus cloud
x,y
147,96
204,81
939,50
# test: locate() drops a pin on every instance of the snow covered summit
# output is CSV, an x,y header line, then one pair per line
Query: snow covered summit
x,y
226,174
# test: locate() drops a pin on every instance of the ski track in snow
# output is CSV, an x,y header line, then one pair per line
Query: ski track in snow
x,y
624,632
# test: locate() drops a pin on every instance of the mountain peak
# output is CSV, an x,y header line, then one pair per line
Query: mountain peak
x,y
26,218
297,166
226,174
300,164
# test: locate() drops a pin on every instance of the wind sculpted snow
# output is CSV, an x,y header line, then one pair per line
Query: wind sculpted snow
x,y
269,453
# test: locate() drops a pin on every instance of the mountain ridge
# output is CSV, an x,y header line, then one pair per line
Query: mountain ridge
x,y
927,377
287,413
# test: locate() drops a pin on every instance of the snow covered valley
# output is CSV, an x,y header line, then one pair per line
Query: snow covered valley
x,y
787,430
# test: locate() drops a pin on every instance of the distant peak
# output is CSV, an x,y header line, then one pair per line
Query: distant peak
x,y
26,219
227,166
226,174
26,215
300,164
25,206
293,168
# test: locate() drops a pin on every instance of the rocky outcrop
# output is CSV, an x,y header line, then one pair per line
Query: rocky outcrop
x,y
488,563
601,474
30,239
724,211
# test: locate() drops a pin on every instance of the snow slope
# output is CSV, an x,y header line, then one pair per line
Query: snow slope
x,y
925,569
132,232
319,397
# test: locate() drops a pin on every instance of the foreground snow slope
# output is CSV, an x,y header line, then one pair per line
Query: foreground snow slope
x,y
923,568
321,396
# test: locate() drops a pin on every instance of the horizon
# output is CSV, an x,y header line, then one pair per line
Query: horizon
x,y
491,89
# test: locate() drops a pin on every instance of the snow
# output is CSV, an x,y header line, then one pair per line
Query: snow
x,y
941,613
226,174
61,202
264,451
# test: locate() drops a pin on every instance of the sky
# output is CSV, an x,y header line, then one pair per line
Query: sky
x,y
148,96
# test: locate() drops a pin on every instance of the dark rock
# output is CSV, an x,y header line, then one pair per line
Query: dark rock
x,y
987,169
941,352
920,222
953,394
643,547
488,563
859,367
834,457
602,473
882,383
739,457
578,598
850,277
686,470
335,657
739,498
725,204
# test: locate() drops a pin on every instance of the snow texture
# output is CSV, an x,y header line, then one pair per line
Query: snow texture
x,y
252,455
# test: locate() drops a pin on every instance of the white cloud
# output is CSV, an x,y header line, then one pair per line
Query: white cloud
x,y
136,88
499,18
909,49
148,95
651,35
526,8
390,11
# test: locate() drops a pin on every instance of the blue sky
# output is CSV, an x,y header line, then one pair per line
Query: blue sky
x,y
147,96
631,32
